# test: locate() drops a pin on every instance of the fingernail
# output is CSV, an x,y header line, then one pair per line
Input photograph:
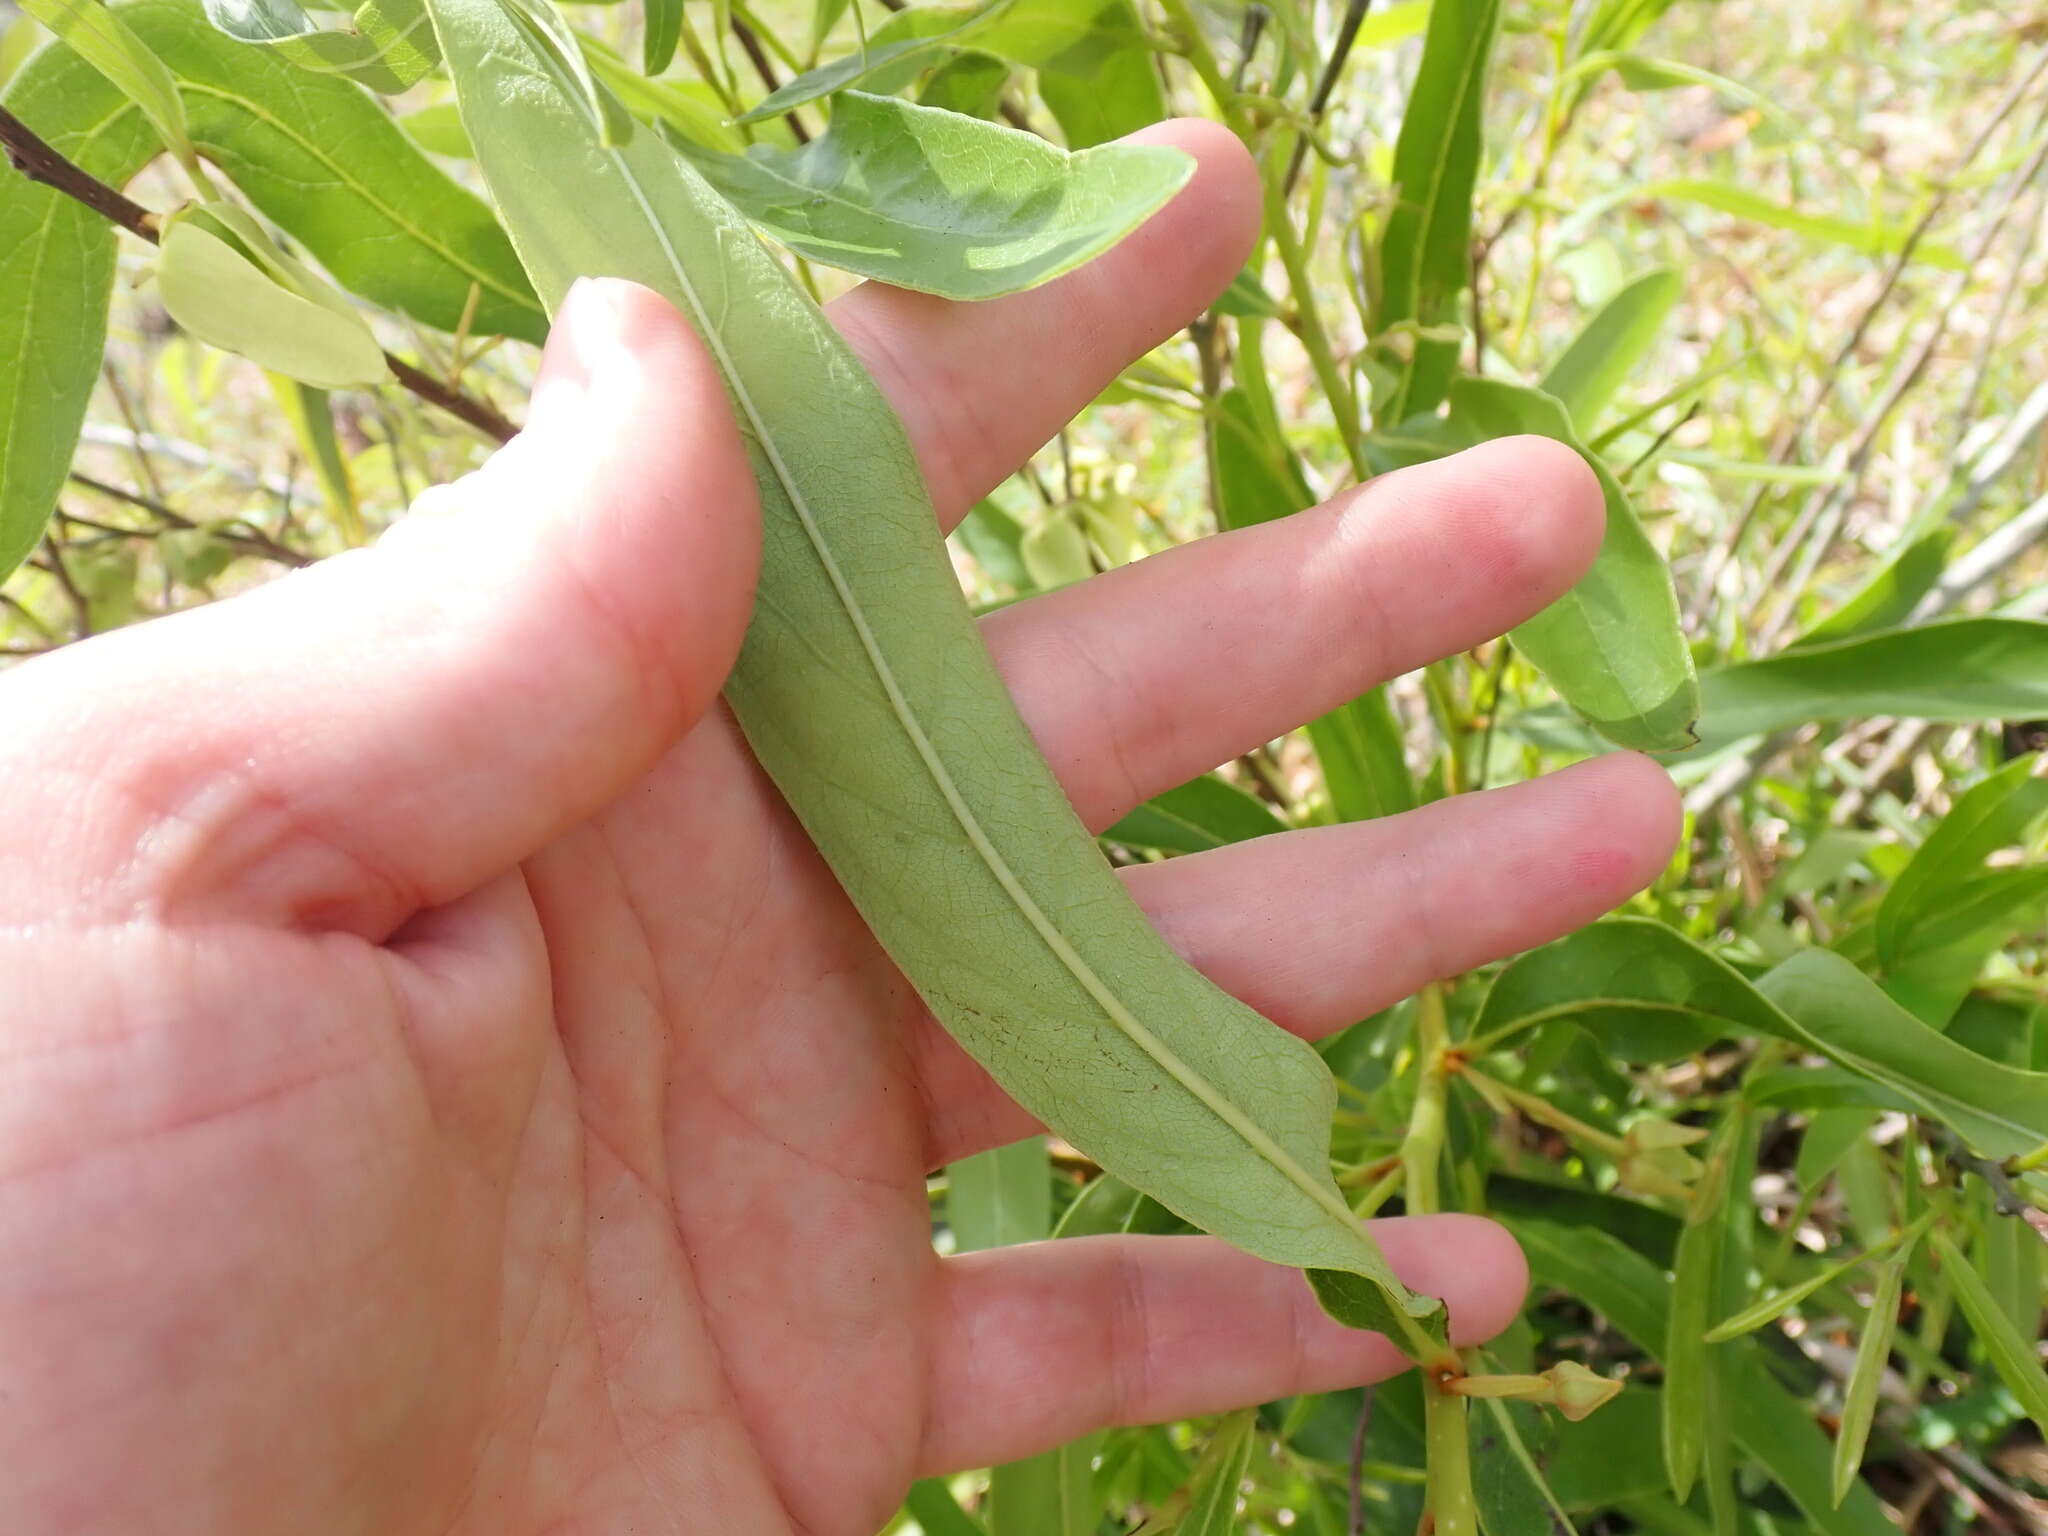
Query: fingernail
x,y
588,333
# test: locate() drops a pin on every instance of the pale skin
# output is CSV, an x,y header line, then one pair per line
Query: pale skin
x,y
441,1090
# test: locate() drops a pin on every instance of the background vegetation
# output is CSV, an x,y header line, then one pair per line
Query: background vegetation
x,y
1782,263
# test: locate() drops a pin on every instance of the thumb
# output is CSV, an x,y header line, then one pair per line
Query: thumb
x,y
391,729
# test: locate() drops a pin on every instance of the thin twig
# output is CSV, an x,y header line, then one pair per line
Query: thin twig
x,y
1355,1523
1319,102
1795,428
35,159
750,44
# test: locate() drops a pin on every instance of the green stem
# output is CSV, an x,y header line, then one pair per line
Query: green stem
x,y
1547,1113
1450,1506
1314,338
1422,1149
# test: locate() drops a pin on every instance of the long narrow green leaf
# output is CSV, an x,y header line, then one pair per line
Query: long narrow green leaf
x,y
1213,1487
1651,994
100,37
1866,1377
860,633
1612,645
2013,1355
1612,342
946,204
1695,1281
1426,250
1984,819
1772,1427
1199,815
1769,1308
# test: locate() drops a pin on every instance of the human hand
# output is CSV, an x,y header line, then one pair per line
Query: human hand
x,y
442,1090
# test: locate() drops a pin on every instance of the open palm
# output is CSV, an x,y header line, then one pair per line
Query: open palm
x,y
441,1089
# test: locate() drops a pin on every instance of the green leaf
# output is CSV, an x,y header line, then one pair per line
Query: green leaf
x,y
995,539
2012,1354
274,312
1514,1497
1652,994
1055,549
1866,1377
1612,645
860,633
1000,1197
1104,1206
1829,1136
99,36
1961,669
662,31
1199,815
57,273
1258,477
1048,1495
1611,343
945,204
1613,1456
931,1503
1989,816
1212,1489
1833,1007
438,130
1770,1308
1770,1425
1872,239
1095,64
391,49
1689,1361
1364,759
905,42
1426,251
971,84
330,167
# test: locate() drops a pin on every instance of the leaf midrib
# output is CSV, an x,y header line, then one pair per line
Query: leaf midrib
x,y
1112,1006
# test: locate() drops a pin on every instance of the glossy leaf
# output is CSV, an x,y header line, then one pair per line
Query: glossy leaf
x,y
1612,645
1425,253
1866,1376
57,275
1201,814
1611,344
390,49
947,829
2011,1354
1961,669
1985,818
945,204
1771,1427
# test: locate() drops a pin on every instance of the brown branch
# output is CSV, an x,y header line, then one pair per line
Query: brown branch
x,y
31,155
751,44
